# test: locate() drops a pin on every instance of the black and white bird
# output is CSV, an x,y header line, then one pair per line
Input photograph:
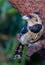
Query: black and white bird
x,y
30,33
33,28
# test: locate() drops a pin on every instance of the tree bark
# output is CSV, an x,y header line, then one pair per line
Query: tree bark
x,y
28,6
35,47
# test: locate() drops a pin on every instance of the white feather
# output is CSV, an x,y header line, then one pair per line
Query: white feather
x,y
25,17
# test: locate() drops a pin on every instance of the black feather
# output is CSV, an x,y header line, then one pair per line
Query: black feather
x,y
37,13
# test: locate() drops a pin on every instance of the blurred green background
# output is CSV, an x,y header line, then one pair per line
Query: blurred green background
x,y
10,19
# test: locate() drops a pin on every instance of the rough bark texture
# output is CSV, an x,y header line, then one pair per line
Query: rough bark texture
x,y
35,47
29,6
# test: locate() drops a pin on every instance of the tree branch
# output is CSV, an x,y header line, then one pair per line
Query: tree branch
x,y
32,48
